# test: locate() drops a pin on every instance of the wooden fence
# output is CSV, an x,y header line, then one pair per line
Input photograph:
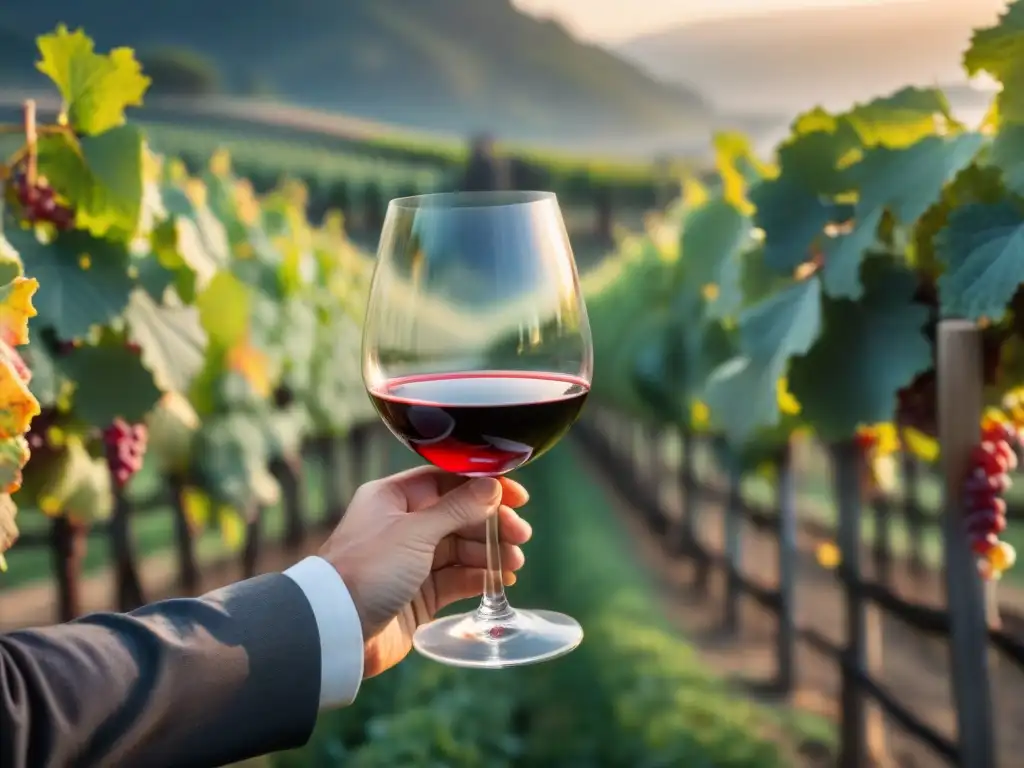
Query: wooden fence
x,y
344,463
636,469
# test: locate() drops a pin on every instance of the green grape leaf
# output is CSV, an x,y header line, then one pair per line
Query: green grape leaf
x,y
1007,154
231,452
657,383
101,178
336,395
46,381
738,167
201,239
153,277
224,308
10,262
741,393
713,237
999,49
792,216
907,181
171,338
843,255
982,247
782,325
285,430
703,347
79,485
125,389
815,156
869,350
97,88
758,280
902,118
83,280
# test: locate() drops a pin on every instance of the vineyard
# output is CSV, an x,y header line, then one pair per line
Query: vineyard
x,y
180,378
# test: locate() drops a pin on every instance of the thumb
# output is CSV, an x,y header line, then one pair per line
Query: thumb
x,y
470,503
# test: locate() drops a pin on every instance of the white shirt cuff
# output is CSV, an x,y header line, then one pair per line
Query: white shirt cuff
x,y
341,635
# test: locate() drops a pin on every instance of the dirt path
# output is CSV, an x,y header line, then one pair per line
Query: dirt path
x,y
913,668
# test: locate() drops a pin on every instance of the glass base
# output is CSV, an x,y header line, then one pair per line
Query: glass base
x,y
523,637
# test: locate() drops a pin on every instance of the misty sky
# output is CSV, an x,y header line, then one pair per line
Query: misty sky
x,y
613,20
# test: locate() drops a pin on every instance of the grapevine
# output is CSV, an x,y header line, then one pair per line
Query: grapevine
x,y
170,311
828,268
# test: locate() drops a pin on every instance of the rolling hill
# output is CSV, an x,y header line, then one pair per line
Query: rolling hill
x,y
789,60
450,65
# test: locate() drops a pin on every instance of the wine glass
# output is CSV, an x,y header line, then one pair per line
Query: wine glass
x,y
477,355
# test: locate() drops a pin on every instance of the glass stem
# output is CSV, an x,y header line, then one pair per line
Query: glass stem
x,y
493,606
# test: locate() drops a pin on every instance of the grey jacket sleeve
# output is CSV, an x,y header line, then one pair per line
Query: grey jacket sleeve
x,y
184,682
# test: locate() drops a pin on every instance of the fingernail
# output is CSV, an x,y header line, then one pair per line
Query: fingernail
x,y
484,488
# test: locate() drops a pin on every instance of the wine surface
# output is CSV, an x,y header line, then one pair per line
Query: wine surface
x,y
483,423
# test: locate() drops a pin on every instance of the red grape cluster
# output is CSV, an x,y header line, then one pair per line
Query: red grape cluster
x,y
39,203
988,481
126,446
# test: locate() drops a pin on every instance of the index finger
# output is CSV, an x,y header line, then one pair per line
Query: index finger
x,y
422,487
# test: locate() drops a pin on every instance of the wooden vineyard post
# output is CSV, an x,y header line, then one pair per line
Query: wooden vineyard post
x,y
188,568
910,470
253,540
786,490
333,462
733,524
288,473
128,587
862,729
882,549
68,545
960,396
358,455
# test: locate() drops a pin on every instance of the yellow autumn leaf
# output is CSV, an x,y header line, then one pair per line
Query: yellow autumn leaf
x,y
700,414
921,445
887,438
787,403
197,506
196,192
232,527
16,309
14,455
828,555
220,163
18,405
49,505
694,192
252,365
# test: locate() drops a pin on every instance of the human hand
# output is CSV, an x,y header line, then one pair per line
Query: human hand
x,y
413,543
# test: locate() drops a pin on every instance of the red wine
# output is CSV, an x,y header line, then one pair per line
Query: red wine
x,y
480,424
